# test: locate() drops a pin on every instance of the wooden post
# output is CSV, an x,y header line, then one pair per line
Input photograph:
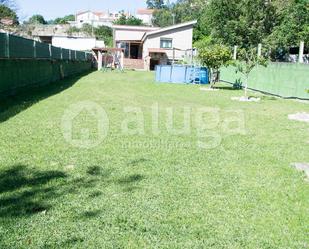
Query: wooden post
x,y
301,52
235,53
173,56
122,60
260,50
99,60
50,51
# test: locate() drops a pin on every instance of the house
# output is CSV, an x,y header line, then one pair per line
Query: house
x,y
7,21
96,18
145,47
59,36
145,15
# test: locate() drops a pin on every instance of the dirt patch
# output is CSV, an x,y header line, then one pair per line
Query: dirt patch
x,y
300,116
246,99
304,167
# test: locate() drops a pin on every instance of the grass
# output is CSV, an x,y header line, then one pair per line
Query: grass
x,y
151,190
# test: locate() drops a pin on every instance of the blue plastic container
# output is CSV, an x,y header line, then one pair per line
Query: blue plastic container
x,y
181,74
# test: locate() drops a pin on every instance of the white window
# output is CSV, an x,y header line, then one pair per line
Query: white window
x,y
166,43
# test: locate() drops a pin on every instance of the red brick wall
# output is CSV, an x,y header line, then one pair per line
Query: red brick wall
x,y
133,63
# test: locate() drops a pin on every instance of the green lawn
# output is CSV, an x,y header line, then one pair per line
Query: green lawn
x,y
151,190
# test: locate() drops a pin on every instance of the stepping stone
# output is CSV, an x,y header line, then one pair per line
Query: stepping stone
x,y
208,89
300,116
302,167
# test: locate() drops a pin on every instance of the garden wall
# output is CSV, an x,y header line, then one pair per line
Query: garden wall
x,y
27,63
289,80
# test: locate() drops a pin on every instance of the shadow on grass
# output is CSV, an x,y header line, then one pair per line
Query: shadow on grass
x,y
12,105
226,88
25,191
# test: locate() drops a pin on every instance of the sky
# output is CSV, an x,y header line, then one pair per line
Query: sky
x,y
51,9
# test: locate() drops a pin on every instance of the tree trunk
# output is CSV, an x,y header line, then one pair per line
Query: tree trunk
x,y
246,86
210,77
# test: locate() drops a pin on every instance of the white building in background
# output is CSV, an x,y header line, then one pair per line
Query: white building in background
x,y
96,18
145,15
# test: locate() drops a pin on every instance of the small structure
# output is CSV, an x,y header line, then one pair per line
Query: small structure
x,y
109,58
146,47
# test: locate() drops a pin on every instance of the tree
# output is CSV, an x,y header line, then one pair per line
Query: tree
x,y
293,28
213,56
131,20
104,33
155,4
101,32
36,19
241,22
248,60
64,20
8,13
162,18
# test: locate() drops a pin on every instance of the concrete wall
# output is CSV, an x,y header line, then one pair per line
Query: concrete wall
x,y
182,39
76,43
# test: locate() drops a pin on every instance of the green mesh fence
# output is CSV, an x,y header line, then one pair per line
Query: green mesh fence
x,y
20,74
42,50
283,79
20,47
3,46
73,55
26,63
80,55
17,47
65,54
56,53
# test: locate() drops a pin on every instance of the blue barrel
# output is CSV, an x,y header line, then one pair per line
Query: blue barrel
x,y
204,75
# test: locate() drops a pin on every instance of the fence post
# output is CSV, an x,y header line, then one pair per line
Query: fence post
x,y
235,53
85,56
70,57
50,51
301,52
61,53
34,49
7,45
75,54
259,49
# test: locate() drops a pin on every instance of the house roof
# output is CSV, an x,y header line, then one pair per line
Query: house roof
x,y
93,12
191,23
145,11
138,28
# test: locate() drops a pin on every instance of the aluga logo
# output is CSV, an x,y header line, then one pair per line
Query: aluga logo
x,y
207,124
98,114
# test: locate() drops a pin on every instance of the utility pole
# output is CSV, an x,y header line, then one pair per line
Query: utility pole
x,y
173,15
